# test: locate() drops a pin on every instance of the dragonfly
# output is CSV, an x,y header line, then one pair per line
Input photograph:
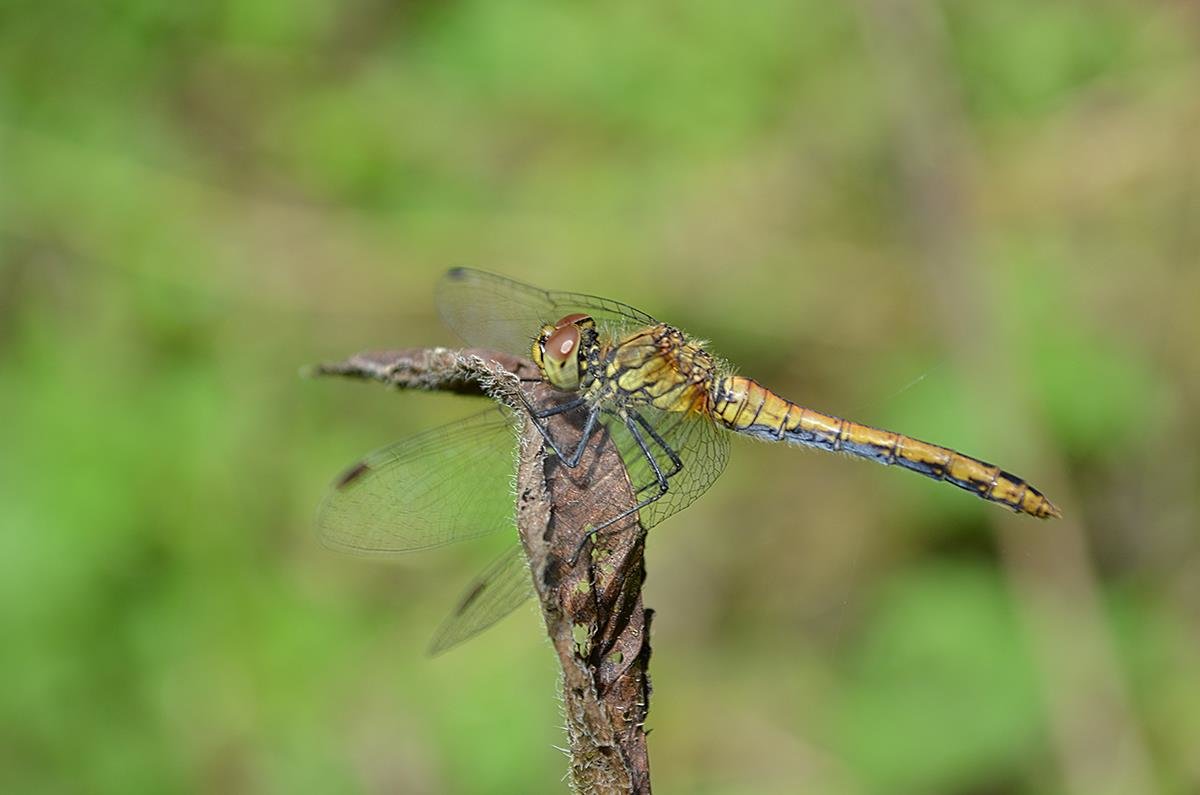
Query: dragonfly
x,y
666,403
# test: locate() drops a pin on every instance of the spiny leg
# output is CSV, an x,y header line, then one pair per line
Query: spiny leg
x,y
660,479
537,415
676,462
561,408
588,427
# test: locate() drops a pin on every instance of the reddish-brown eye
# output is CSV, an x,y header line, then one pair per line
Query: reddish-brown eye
x,y
571,320
562,343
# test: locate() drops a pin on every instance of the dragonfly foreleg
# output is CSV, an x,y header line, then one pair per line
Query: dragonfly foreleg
x,y
659,475
561,408
537,415
589,428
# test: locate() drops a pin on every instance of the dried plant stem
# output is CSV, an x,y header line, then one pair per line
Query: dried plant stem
x,y
593,609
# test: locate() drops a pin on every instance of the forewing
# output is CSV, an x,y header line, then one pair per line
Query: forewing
x,y
702,447
434,488
501,588
492,311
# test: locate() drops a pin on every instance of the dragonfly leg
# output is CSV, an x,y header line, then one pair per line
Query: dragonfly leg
x,y
589,428
537,415
561,408
676,462
659,475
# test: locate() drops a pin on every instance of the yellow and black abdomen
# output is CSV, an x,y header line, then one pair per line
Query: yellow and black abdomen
x,y
745,406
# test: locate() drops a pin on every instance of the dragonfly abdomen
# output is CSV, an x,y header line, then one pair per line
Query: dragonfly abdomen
x,y
745,406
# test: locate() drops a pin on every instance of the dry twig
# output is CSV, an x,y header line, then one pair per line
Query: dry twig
x,y
593,610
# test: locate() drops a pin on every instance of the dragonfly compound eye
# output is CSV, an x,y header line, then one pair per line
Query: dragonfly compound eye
x,y
563,344
557,352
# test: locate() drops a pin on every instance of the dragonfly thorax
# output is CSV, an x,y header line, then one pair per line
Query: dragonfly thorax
x,y
564,350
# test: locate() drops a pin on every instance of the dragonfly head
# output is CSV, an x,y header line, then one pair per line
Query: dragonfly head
x,y
561,350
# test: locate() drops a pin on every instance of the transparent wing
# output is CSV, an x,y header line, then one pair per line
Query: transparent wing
x,y
440,486
701,446
494,312
500,589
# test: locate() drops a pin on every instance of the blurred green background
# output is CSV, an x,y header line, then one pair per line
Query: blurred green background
x,y
976,223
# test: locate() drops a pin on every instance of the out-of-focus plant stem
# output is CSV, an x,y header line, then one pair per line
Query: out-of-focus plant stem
x,y
1098,737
